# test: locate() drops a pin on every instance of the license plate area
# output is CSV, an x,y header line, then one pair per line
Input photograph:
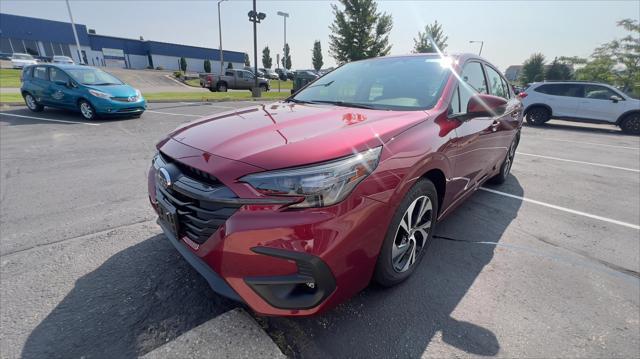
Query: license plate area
x,y
168,214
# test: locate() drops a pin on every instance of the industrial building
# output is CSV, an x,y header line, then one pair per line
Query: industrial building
x,y
46,38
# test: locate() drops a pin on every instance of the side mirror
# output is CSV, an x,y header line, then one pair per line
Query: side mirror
x,y
615,98
483,105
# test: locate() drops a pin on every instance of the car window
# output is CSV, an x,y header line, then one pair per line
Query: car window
x,y
240,74
473,76
93,77
455,102
507,87
57,75
567,90
228,73
27,73
495,83
598,92
40,72
248,75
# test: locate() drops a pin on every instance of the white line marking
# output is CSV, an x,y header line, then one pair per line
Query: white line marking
x,y
593,144
174,114
564,209
49,119
580,162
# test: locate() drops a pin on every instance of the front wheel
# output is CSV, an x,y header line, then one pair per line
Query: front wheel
x,y
409,235
263,88
222,88
32,104
87,111
631,124
505,169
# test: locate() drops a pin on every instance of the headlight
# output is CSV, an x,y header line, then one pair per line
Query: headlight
x,y
138,93
319,185
100,94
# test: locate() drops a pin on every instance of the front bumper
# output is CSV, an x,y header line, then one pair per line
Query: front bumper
x,y
108,107
284,262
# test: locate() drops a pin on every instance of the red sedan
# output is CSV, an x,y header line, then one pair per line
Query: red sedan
x,y
296,206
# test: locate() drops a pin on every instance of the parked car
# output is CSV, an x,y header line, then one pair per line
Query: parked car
x,y
284,74
19,60
302,78
251,69
270,74
295,206
62,60
590,102
93,92
232,79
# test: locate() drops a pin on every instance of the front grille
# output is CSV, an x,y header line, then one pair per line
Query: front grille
x,y
191,172
125,99
130,109
198,218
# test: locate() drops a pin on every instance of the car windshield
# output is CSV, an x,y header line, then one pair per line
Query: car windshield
x,y
93,77
401,83
22,57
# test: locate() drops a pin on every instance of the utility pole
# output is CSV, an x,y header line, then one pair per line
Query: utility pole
x,y
75,33
255,17
481,45
220,33
284,16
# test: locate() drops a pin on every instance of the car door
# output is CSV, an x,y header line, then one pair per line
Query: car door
x,y
474,141
248,79
597,104
59,90
40,84
505,123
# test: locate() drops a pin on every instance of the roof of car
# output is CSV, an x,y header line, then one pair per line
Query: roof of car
x,y
68,66
546,82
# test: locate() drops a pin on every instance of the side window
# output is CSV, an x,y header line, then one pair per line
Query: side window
x,y
248,75
58,75
455,102
27,73
566,90
240,74
495,83
40,73
473,81
228,73
598,92
507,87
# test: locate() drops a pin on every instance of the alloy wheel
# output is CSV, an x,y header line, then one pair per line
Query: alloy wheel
x,y
412,234
86,110
31,102
509,161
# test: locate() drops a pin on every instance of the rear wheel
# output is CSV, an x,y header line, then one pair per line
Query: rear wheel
x,y
537,116
505,169
222,87
263,88
32,104
408,235
631,124
87,111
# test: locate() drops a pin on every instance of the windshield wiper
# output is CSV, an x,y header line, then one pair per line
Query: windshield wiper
x,y
105,84
347,104
327,84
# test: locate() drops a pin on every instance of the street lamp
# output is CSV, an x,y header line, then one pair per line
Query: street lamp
x,y
220,33
481,45
255,17
284,16
75,33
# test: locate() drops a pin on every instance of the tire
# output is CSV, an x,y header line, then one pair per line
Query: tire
x,y
394,264
538,115
31,103
505,168
222,87
263,88
631,124
87,111
212,89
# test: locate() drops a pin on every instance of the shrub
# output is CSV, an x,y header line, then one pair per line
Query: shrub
x,y
177,74
207,66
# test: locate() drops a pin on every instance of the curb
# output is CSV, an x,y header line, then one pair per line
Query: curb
x,y
233,334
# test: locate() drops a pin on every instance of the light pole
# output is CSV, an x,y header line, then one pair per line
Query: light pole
x,y
75,33
481,45
284,16
255,17
220,33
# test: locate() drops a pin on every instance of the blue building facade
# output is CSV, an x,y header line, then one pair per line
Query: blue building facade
x,y
46,38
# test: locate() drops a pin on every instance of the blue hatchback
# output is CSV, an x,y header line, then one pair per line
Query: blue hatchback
x,y
91,91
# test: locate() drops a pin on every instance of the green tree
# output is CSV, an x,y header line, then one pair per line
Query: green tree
x,y
558,71
533,69
183,64
286,59
267,61
247,62
207,66
432,34
625,55
316,58
359,31
230,66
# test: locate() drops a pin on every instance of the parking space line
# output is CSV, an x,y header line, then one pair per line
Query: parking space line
x,y
174,114
564,209
580,162
593,144
49,119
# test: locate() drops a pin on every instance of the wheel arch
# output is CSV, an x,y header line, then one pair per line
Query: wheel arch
x,y
437,177
624,115
538,105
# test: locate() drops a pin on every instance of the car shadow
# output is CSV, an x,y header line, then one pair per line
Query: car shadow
x,y
137,300
49,116
403,321
566,126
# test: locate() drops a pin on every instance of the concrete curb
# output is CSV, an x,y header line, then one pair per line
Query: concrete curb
x,y
233,334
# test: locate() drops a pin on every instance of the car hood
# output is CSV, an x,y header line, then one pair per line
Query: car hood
x,y
286,134
115,90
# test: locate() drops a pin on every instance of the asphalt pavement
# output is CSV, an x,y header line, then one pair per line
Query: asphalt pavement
x,y
545,265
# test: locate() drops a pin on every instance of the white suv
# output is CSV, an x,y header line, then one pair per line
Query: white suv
x,y
581,101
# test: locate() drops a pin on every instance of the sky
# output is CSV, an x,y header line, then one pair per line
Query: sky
x,y
511,30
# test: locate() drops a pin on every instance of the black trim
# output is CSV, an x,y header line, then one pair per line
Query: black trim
x,y
291,291
215,281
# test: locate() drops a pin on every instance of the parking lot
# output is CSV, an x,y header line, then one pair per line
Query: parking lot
x,y
545,265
